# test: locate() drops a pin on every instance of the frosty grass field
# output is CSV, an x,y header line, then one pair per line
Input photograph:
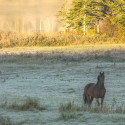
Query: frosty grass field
x,y
57,75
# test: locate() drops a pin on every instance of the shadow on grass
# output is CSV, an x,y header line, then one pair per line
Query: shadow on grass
x,y
65,55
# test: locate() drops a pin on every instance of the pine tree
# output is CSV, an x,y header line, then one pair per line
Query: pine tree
x,y
75,15
62,15
118,9
86,13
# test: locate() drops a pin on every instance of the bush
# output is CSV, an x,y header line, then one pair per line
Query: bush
x,y
10,39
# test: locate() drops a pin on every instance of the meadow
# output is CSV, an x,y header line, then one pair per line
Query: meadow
x,y
45,62
44,85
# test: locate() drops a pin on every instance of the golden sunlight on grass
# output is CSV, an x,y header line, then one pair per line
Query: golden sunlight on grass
x,y
65,49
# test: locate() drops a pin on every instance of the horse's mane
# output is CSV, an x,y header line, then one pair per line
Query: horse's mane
x,y
98,80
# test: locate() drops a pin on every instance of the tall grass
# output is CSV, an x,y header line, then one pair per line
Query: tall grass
x,y
29,105
114,108
71,110
10,39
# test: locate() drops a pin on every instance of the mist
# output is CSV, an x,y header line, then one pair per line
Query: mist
x,y
30,15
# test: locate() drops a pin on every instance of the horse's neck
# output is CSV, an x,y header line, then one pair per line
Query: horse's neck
x,y
99,85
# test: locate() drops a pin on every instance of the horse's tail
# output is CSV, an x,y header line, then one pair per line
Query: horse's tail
x,y
84,98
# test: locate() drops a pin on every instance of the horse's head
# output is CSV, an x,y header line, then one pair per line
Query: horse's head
x,y
101,77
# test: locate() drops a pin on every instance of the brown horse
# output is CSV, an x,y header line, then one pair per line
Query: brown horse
x,y
93,90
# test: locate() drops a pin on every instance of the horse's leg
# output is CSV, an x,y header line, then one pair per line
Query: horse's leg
x,y
91,100
88,100
97,99
102,102
85,98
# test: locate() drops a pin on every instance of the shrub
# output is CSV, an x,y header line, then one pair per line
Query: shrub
x,y
10,39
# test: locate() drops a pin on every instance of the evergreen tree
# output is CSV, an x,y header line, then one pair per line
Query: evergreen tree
x,y
62,15
118,13
86,14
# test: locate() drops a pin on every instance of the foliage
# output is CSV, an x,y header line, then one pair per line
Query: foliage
x,y
9,39
114,21
85,15
85,10
62,15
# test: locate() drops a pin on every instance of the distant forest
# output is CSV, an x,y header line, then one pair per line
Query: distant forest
x,y
89,17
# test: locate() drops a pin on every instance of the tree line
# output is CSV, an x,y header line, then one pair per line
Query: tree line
x,y
94,17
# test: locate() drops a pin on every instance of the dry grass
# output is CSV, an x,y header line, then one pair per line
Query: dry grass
x,y
9,39
71,110
29,105
105,52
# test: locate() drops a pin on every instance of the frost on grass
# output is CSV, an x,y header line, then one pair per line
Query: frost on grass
x,y
71,110
5,121
29,105
85,53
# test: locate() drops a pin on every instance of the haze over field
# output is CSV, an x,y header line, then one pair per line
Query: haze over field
x,y
29,16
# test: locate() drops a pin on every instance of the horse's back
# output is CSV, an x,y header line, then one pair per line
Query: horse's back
x,y
92,90
88,86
